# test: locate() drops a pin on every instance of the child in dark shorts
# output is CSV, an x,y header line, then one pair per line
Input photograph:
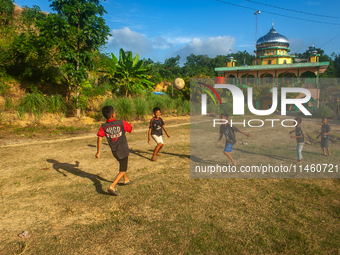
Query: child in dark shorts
x,y
115,130
229,132
325,131
155,130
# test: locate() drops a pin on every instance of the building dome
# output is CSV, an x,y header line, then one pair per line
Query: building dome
x,y
273,37
313,51
230,56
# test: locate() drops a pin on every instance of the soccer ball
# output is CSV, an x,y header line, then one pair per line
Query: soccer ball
x,y
179,83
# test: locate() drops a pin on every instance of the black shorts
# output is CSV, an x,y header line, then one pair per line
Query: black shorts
x,y
324,142
123,163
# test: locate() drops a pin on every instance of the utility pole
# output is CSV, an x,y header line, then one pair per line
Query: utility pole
x,y
257,12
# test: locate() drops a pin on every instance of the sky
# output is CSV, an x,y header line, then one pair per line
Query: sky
x,y
162,29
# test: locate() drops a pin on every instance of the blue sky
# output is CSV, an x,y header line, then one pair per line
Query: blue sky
x,y
163,29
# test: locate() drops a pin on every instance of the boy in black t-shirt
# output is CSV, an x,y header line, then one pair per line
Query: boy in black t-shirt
x,y
300,139
115,130
155,130
325,130
229,133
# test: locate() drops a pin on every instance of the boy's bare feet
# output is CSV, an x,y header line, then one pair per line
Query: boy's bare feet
x,y
157,154
153,159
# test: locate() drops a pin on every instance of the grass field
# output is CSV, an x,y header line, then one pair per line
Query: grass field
x,y
58,192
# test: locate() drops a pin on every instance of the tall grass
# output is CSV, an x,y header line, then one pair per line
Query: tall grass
x,y
195,108
324,111
140,107
182,107
2,117
56,104
21,112
124,108
169,105
157,101
109,102
34,103
8,103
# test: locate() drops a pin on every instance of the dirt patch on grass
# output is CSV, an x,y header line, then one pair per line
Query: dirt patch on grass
x,y
57,191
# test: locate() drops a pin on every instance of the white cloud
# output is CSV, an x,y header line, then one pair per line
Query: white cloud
x,y
297,45
212,46
161,47
179,40
133,41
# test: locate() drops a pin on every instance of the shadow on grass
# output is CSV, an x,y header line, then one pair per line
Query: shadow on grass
x,y
95,146
140,154
173,154
73,169
271,156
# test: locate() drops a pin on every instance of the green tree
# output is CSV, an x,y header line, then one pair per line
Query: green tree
x,y
76,30
6,11
29,15
130,74
337,65
198,64
170,69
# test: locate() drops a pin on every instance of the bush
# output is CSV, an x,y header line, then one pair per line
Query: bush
x,y
34,103
56,104
4,89
324,111
140,107
124,108
169,105
158,101
182,106
195,108
186,107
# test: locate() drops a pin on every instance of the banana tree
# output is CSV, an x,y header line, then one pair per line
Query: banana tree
x,y
129,73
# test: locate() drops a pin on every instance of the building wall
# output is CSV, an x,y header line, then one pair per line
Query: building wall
x,y
288,60
261,73
265,61
314,59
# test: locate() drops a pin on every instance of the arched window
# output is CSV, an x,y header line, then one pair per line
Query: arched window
x,y
250,79
269,62
231,79
268,78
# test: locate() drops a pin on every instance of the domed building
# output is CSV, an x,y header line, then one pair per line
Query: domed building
x,y
273,64
272,49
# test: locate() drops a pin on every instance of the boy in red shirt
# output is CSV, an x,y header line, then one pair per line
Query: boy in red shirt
x,y
115,130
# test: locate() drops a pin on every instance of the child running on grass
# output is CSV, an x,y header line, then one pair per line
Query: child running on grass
x,y
300,139
229,132
325,131
155,130
115,130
